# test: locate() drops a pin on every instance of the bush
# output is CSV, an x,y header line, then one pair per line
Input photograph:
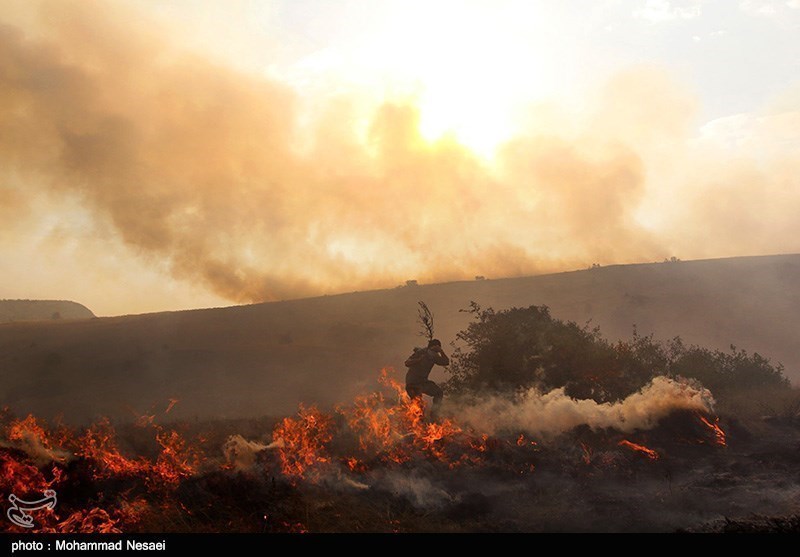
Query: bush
x,y
527,347
721,372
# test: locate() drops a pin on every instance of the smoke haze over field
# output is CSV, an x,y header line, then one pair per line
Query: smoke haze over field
x,y
127,157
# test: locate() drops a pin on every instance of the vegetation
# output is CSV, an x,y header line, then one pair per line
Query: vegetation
x,y
527,347
425,320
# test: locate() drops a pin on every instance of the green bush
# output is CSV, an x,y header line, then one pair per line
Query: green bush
x,y
722,372
525,347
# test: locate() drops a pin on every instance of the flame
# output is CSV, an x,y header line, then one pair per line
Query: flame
x,y
649,453
304,441
175,462
28,429
354,464
172,402
587,453
521,441
391,426
96,520
719,435
99,446
145,420
381,429
18,476
373,422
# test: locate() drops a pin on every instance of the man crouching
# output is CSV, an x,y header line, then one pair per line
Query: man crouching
x,y
419,366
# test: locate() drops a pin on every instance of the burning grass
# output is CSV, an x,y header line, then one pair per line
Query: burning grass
x,y
377,464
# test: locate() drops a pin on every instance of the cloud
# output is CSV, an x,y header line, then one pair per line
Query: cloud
x,y
657,11
769,8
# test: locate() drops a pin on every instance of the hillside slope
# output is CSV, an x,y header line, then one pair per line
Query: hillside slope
x,y
41,310
266,358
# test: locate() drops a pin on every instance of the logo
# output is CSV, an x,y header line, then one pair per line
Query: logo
x,y
17,513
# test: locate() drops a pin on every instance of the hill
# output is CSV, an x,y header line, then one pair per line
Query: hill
x,y
41,310
264,359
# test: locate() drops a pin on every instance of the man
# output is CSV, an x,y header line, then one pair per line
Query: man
x,y
419,366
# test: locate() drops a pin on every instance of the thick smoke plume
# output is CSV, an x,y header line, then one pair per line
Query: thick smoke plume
x,y
211,172
548,414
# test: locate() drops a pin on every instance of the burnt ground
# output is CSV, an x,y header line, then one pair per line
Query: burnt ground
x,y
583,481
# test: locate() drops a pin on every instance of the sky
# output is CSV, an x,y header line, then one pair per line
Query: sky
x,y
163,155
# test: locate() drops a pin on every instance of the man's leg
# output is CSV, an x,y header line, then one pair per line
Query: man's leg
x,y
413,391
435,391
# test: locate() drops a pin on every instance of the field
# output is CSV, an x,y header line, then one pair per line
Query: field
x,y
376,466
291,416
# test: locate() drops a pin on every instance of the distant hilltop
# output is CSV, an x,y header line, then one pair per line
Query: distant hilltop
x,y
42,310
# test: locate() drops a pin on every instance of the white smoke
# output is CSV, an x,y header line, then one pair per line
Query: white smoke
x,y
548,414
242,454
418,489
32,445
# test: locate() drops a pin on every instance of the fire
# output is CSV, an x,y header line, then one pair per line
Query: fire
x,y
172,402
586,453
391,427
27,430
92,521
98,445
432,437
649,453
145,420
354,464
304,441
374,422
521,441
175,462
383,429
719,435
18,476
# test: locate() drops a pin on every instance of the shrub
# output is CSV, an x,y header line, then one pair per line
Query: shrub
x,y
527,347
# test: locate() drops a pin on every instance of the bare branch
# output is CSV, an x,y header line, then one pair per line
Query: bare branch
x,y
425,319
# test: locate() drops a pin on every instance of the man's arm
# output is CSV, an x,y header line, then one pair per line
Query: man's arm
x,y
441,358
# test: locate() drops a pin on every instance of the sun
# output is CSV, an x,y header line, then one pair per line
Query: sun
x,y
468,70
476,115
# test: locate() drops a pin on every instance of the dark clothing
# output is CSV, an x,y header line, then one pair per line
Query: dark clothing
x,y
427,387
420,364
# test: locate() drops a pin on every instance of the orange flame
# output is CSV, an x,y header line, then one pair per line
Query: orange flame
x,y
93,521
391,427
19,477
304,441
28,429
587,453
719,435
649,453
99,445
176,461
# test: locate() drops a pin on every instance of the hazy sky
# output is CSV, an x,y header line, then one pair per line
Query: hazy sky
x,y
160,154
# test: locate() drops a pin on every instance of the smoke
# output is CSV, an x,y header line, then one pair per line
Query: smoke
x,y
417,488
552,413
242,454
31,444
212,172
